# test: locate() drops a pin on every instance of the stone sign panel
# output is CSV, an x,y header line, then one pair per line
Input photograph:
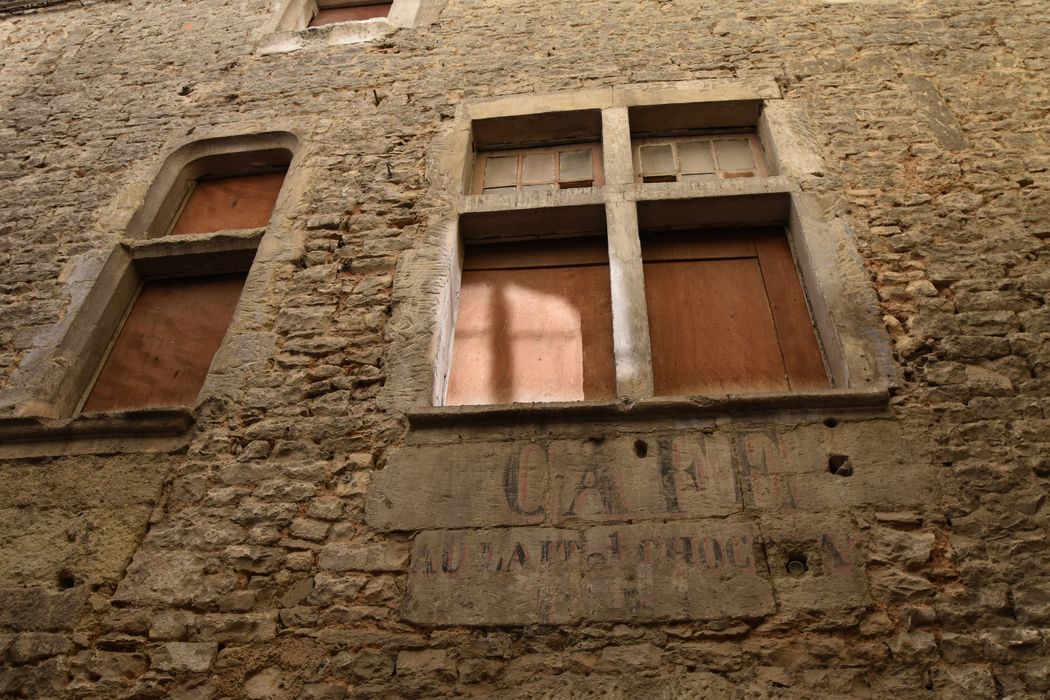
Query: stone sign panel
x,y
678,526
706,569
553,481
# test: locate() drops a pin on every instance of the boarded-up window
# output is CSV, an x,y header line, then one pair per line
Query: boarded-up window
x,y
534,324
350,13
688,159
222,204
528,169
727,314
162,354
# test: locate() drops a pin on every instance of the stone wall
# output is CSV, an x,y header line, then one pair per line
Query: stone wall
x,y
304,540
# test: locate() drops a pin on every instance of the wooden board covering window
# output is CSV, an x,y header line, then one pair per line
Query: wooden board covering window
x,y
727,314
534,324
163,352
350,13
229,203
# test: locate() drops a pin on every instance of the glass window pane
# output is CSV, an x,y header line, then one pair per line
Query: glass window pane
x,y
494,190
538,167
695,157
656,159
734,154
576,165
501,171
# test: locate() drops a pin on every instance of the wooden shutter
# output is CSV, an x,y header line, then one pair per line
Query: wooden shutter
x,y
162,354
351,13
534,324
727,314
229,203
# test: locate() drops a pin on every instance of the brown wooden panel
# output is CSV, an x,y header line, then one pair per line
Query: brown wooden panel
x,y
229,203
539,334
798,340
553,252
354,13
697,245
711,329
167,343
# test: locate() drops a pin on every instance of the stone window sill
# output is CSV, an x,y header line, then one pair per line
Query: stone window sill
x,y
138,430
342,33
721,406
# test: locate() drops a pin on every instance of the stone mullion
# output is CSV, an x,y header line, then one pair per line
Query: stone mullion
x,y
634,374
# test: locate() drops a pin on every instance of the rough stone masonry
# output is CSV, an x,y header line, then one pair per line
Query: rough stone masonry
x,y
315,531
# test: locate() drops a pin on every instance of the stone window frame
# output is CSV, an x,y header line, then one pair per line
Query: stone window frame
x,y
287,30
843,305
40,411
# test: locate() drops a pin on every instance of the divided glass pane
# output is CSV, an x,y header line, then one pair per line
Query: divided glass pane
x,y
656,159
576,166
538,167
695,157
501,171
734,154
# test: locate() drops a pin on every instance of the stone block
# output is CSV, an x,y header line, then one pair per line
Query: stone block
x,y
254,559
237,629
816,561
325,508
307,529
322,691
267,684
633,658
377,556
194,657
423,661
39,609
708,569
33,646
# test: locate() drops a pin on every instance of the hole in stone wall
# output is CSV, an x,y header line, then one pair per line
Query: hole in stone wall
x,y
797,564
839,465
66,579
831,422
641,448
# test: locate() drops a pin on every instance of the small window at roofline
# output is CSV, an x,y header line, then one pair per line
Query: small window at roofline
x,y
334,12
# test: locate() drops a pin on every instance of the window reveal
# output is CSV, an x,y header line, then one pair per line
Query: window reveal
x,y
689,159
530,169
534,324
222,204
349,12
727,314
162,354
